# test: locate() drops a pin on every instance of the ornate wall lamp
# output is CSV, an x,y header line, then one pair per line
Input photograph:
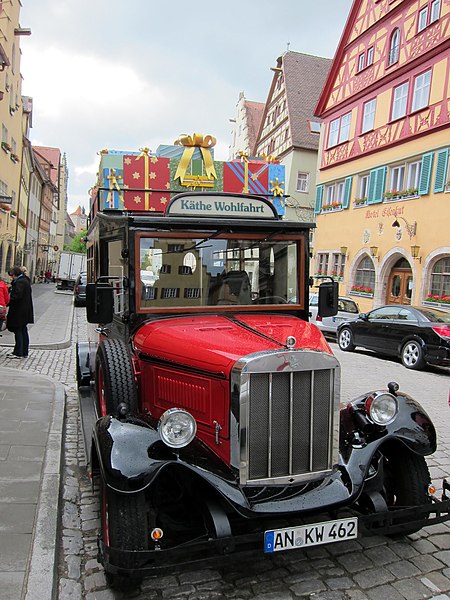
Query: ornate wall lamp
x,y
344,250
410,228
374,252
415,252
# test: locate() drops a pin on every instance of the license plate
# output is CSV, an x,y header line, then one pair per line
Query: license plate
x,y
311,535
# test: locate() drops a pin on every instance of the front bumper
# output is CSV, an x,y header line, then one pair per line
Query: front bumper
x,y
250,538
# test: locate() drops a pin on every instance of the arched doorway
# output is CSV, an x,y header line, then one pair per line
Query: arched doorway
x,y
400,283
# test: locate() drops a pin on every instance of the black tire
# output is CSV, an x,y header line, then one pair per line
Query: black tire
x,y
114,378
406,481
124,526
345,340
412,355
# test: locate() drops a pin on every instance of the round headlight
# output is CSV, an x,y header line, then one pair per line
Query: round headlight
x,y
382,408
177,428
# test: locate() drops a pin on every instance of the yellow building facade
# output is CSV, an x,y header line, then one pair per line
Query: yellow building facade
x,y
383,199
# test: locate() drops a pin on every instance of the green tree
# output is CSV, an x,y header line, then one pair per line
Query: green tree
x,y
79,243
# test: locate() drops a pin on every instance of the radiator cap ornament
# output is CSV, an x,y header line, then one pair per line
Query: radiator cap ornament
x,y
291,342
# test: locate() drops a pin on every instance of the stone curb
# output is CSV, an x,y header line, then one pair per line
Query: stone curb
x,y
41,582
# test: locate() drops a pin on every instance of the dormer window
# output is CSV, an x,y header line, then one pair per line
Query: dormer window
x,y
394,47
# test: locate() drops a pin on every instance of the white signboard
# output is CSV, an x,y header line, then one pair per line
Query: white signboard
x,y
211,205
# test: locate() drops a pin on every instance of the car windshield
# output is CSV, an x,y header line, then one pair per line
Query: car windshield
x,y
435,315
216,270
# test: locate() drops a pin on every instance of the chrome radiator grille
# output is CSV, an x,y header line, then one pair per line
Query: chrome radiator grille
x,y
288,418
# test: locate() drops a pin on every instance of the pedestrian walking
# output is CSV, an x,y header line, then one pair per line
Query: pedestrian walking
x,y
4,301
20,312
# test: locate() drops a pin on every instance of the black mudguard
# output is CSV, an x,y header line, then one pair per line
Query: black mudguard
x,y
82,357
131,454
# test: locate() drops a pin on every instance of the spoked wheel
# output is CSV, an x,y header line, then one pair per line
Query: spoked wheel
x,y
412,355
124,526
345,340
114,378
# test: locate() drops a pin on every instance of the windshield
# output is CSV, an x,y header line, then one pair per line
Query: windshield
x,y
186,272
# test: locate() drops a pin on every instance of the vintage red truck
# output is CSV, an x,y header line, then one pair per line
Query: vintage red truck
x,y
215,420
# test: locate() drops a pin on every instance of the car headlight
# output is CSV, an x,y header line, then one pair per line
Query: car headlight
x,y
177,428
382,408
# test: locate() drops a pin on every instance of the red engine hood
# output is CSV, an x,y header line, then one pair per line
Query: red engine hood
x,y
214,343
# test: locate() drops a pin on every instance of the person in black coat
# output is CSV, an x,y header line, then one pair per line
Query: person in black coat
x,y
20,312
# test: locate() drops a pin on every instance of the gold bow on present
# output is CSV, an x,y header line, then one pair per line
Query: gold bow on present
x,y
113,187
276,188
244,158
270,158
190,143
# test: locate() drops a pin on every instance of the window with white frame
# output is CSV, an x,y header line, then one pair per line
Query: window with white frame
x,y
435,10
423,18
4,134
340,188
394,47
344,133
302,182
413,175
400,101
338,264
397,178
365,274
440,278
421,92
370,56
329,194
361,62
363,185
339,130
369,115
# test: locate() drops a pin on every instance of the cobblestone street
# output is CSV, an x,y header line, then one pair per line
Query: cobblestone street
x,y
370,568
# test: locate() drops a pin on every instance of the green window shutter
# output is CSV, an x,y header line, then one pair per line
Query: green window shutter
x,y
319,196
377,180
347,192
440,178
425,173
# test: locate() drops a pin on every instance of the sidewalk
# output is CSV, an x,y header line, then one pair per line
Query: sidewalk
x,y
31,437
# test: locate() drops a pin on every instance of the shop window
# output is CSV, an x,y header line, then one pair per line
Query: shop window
x,y
440,281
364,276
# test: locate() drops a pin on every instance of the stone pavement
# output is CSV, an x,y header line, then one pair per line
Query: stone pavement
x,y
32,409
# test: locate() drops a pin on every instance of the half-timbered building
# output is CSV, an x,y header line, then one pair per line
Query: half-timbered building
x,y
383,194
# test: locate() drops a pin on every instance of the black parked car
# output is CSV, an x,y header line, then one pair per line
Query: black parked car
x,y
418,335
79,290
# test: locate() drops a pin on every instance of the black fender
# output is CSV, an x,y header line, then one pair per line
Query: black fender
x,y
131,455
83,373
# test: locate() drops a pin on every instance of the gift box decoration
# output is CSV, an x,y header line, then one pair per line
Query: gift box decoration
x,y
112,197
195,177
176,152
246,177
146,172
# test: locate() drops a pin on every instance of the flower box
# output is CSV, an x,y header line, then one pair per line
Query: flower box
x,y
332,207
14,157
6,147
362,290
360,201
401,194
434,299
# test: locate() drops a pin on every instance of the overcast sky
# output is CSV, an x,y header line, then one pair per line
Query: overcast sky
x,y
125,75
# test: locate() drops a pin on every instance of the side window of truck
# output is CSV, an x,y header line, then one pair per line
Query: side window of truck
x,y
116,274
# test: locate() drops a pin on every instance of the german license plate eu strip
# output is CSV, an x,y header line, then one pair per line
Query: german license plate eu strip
x,y
311,535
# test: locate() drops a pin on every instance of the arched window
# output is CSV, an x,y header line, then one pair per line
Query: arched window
x,y
440,278
394,47
8,264
365,274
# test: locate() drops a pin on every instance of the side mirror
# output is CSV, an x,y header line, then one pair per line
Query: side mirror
x,y
328,299
99,303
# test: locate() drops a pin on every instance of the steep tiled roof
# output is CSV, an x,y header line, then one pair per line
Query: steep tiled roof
x,y
255,112
52,157
304,77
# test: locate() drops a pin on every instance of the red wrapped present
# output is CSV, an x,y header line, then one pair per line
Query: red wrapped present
x,y
246,176
146,172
